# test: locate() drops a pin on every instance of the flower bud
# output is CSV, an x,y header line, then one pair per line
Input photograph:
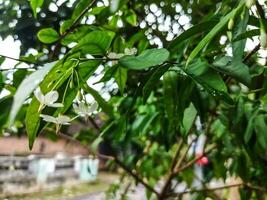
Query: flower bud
x,y
250,3
231,24
79,96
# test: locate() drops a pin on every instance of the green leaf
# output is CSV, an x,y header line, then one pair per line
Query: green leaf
x,y
247,34
66,25
239,71
131,18
239,46
2,83
95,43
201,72
209,79
18,77
170,88
5,105
80,7
250,127
189,118
213,33
260,129
194,30
146,59
48,35
121,78
36,4
26,88
154,80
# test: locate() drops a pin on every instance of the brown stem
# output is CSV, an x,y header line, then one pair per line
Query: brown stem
x,y
256,48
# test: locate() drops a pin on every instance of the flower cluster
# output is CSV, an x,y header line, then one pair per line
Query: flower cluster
x,y
116,56
49,99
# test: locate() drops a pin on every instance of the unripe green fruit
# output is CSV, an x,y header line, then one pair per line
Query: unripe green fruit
x,y
263,39
231,24
250,3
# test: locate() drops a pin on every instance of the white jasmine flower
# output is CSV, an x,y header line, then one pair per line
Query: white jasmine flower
x,y
60,120
48,99
83,109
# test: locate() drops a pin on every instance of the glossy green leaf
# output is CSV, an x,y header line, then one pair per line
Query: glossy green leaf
x,y
146,59
247,34
131,18
213,33
170,89
239,71
194,30
209,79
35,4
121,78
250,127
5,105
26,88
66,25
80,7
1,82
239,46
95,43
260,128
189,118
48,35
154,80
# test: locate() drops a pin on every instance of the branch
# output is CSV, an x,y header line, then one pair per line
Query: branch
x,y
256,48
20,60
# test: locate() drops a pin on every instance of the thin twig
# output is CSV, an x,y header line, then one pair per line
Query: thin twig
x,y
71,28
190,163
256,48
20,60
207,189
174,166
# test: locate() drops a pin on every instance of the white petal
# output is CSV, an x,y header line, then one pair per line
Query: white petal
x,y
93,107
55,105
39,95
51,97
75,107
63,119
49,118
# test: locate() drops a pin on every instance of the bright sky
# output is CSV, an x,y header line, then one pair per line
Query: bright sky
x,y
9,47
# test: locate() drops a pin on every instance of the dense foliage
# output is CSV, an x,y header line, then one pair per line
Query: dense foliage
x,y
165,71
